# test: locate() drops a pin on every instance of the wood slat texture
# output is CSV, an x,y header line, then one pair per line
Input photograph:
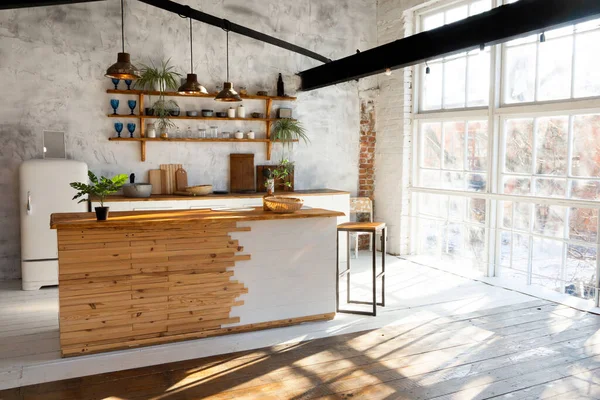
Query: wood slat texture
x,y
132,286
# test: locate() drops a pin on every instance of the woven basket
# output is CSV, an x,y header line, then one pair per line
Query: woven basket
x,y
282,205
200,190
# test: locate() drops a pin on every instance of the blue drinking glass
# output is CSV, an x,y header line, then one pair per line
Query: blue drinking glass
x,y
131,129
115,82
128,83
114,103
131,104
118,128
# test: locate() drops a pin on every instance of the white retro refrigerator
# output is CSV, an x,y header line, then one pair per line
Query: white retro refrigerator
x,y
44,189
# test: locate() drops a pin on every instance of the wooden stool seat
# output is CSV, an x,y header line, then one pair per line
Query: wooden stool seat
x,y
369,227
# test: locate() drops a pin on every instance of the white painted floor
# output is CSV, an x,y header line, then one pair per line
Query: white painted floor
x,y
29,348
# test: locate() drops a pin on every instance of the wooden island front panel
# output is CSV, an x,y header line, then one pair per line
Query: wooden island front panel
x,y
146,278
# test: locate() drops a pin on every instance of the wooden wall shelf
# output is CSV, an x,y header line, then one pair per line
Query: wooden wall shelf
x,y
144,139
142,128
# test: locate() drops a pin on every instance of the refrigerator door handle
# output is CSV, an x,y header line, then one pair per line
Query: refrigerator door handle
x,y
28,203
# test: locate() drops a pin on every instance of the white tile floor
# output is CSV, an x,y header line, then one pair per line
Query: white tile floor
x,y
29,348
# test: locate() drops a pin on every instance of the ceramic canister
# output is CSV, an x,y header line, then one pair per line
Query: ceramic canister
x,y
239,135
231,112
241,111
250,135
150,130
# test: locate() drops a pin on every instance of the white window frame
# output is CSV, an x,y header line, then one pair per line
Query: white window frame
x,y
496,113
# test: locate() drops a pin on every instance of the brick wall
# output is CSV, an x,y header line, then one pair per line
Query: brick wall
x,y
366,171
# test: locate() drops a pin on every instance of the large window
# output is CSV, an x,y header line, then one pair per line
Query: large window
x,y
506,175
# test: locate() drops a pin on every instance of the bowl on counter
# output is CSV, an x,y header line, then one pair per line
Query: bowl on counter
x,y
221,114
207,113
191,113
283,204
257,115
137,190
199,190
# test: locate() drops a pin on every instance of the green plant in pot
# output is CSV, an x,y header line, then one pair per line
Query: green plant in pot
x,y
288,130
160,79
282,176
99,187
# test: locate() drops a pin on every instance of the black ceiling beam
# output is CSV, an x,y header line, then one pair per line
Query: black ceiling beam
x,y
10,4
525,17
189,12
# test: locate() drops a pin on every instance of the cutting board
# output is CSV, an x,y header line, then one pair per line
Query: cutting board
x,y
181,180
155,180
168,177
279,186
241,173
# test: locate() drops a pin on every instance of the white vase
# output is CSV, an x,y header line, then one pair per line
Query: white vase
x,y
160,86
241,111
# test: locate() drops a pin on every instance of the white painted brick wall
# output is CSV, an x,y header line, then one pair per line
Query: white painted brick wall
x,y
394,129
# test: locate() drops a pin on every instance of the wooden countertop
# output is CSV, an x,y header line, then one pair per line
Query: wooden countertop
x,y
147,218
167,197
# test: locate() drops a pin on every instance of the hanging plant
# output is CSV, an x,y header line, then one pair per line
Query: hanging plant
x,y
287,130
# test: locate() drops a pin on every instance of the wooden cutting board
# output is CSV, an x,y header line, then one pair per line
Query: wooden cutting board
x,y
241,173
181,180
154,178
168,177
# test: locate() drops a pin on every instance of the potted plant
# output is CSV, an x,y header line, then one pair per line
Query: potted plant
x,y
280,176
287,130
160,79
100,187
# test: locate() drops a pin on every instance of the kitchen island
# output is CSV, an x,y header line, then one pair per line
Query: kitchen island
x,y
152,277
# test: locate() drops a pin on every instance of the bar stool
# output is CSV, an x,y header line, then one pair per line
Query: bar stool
x,y
369,227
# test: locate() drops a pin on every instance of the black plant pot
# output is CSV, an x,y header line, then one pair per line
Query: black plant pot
x,y
149,111
101,213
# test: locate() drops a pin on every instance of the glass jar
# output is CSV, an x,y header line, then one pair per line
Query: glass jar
x,y
226,135
201,133
214,132
188,133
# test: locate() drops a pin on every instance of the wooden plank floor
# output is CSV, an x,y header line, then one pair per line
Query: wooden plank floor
x,y
531,350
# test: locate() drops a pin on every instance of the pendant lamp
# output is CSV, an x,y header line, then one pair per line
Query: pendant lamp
x,y
191,85
123,68
228,93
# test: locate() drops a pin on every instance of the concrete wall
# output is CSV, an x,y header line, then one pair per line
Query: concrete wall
x,y
52,62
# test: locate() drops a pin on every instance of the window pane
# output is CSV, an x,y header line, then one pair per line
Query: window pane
x,y
549,220
430,179
587,61
546,260
476,209
555,69
456,14
583,224
549,187
519,139
522,216
454,145
453,180
505,249
519,75
429,237
432,87
477,7
433,21
580,271
456,208
507,214
432,150
520,260
585,190
479,80
455,83
454,240
586,146
517,185
552,137
477,145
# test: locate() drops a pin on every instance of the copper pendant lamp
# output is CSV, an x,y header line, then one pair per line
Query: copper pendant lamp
x,y
228,93
123,68
191,85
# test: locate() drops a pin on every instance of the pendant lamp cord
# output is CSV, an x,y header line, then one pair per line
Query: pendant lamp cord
x,y
122,28
191,49
227,56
